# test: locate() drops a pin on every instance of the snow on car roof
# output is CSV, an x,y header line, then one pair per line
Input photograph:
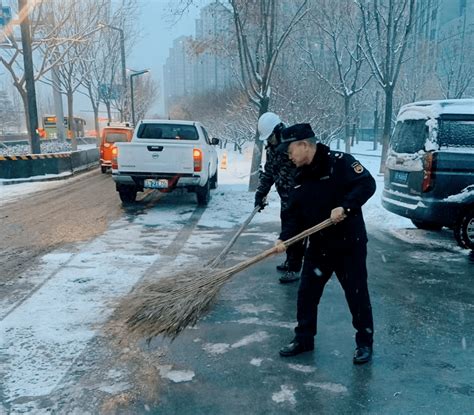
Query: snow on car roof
x,y
165,121
433,109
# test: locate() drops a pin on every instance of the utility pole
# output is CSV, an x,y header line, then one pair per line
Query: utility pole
x,y
124,77
29,76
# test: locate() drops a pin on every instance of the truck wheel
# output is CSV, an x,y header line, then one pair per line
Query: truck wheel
x,y
127,194
214,181
428,226
464,229
103,169
203,194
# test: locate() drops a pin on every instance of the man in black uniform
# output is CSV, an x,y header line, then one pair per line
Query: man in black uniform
x,y
278,171
328,184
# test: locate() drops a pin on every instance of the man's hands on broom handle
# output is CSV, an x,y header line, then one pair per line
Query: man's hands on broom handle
x,y
280,246
337,215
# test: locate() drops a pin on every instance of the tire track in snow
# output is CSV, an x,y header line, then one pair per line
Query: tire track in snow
x,y
57,319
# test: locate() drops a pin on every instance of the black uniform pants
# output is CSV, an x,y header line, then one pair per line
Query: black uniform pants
x,y
351,271
295,252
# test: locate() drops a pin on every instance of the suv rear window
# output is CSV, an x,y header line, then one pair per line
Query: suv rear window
x,y
168,131
456,133
409,136
115,137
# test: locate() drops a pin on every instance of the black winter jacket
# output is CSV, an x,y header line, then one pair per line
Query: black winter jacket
x,y
331,180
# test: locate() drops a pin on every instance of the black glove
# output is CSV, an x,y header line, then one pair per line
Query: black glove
x,y
260,201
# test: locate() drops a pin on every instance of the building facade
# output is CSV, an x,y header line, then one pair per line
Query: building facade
x,y
201,64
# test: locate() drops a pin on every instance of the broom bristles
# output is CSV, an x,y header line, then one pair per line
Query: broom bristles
x,y
173,303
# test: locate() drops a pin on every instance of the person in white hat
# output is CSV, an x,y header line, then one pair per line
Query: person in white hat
x,y
279,171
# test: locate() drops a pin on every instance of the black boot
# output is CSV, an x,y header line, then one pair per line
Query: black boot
x,y
362,354
296,347
290,276
283,267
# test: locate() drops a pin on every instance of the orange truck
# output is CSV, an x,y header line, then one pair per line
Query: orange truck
x,y
110,135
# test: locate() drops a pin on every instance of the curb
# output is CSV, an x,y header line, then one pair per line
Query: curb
x,y
51,178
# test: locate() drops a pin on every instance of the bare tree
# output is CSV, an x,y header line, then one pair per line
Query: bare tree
x,y
227,113
456,60
146,92
387,26
261,33
341,34
7,114
73,67
48,46
101,67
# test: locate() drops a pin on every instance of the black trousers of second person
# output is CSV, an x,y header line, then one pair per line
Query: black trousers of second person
x,y
351,271
295,252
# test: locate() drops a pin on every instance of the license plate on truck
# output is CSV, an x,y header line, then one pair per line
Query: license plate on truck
x,y
155,184
400,177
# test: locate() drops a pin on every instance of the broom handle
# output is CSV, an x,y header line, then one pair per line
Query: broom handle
x,y
229,245
316,228
307,232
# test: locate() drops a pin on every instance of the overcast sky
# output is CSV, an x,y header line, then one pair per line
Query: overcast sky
x,y
158,29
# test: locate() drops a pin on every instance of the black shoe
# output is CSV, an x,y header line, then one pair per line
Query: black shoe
x,y
283,267
362,354
296,347
290,276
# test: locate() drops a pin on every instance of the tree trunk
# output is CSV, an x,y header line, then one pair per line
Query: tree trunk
x,y
25,107
96,123
257,151
70,111
376,120
109,114
347,126
387,126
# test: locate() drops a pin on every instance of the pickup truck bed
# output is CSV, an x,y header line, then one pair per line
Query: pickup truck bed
x,y
164,155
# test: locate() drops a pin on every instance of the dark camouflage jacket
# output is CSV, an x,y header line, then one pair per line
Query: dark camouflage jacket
x,y
278,170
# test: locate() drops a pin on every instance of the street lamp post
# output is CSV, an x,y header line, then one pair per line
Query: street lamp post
x,y
131,91
124,70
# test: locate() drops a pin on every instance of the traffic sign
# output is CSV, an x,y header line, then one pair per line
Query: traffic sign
x,y
109,92
5,15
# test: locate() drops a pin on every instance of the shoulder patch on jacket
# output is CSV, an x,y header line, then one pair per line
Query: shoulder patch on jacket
x,y
357,167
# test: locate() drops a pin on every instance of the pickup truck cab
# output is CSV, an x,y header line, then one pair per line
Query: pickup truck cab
x,y
429,174
166,155
110,135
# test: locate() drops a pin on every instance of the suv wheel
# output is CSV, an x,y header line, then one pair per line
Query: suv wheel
x,y
464,229
428,226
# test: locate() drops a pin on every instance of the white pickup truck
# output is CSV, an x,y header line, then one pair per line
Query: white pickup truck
x,y
165,155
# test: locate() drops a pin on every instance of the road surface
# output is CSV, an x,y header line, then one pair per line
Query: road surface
x,y
74,252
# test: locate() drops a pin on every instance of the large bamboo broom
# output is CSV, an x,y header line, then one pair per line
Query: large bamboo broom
x,y
171,304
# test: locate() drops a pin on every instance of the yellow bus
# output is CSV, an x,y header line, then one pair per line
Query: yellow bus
x,y
50,130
